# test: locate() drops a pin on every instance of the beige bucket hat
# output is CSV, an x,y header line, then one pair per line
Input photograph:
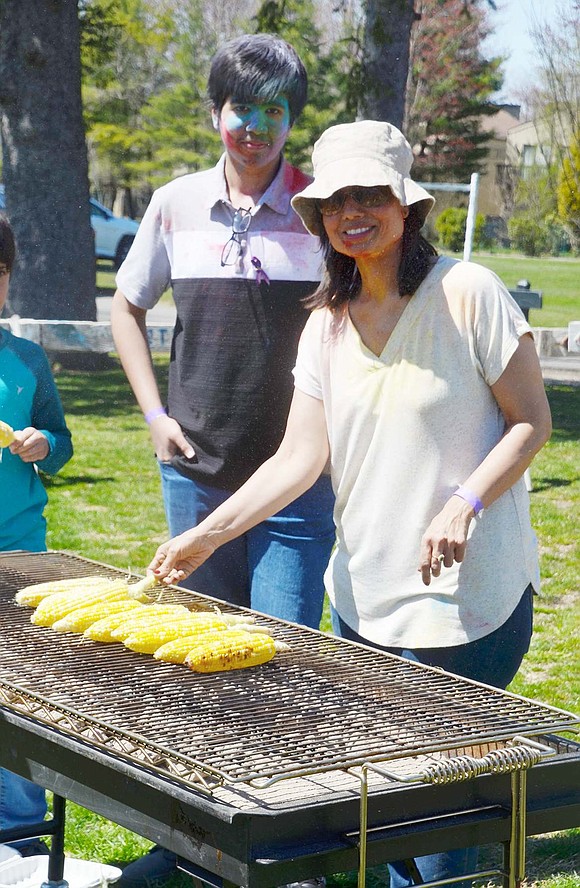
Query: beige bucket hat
x,y
365,153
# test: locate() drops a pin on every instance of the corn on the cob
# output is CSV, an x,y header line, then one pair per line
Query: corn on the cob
x,y
152,614
178,649
139,590
146,639
231,649
82,617
31,596
57,606
6,434
101,629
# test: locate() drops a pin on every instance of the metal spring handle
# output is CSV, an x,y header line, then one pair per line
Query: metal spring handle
x,y
513,759
464,767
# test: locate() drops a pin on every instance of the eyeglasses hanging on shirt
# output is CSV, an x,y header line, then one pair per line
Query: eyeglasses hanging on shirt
x,y
233,250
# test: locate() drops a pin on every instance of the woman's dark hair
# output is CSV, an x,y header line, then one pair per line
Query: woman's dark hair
x,y
7,243
342,281
257,66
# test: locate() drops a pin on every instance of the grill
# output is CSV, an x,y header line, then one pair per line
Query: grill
x,y
267,775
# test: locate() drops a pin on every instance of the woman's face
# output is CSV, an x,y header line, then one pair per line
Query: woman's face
x,y
254,133
368,222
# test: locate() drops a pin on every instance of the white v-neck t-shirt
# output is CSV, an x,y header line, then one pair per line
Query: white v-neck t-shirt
x,y
406,428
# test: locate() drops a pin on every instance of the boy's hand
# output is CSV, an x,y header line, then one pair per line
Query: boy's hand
x,y
30,445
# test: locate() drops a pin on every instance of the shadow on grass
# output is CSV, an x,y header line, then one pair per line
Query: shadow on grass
x,y
550,483
64,480
101,393
565,406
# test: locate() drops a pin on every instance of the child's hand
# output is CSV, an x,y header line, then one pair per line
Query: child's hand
x,y
30,445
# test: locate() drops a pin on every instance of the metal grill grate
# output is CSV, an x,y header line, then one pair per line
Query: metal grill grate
x,y
324,704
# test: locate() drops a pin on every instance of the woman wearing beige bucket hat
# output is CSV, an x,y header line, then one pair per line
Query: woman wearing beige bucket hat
x,y
418,378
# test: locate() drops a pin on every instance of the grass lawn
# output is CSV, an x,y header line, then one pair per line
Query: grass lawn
x,y
106,505
558,278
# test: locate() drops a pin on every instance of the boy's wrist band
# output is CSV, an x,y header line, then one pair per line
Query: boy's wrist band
x,y
470,497
154,413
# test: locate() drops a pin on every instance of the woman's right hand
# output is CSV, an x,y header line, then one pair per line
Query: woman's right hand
x,y
179,557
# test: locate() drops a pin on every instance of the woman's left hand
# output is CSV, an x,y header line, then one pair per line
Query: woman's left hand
x,y
445,539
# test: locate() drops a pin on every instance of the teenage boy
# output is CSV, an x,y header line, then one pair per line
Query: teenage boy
x,y
240,263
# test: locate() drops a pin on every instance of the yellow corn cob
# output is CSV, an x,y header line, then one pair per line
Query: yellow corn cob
x,y
6,434
139,590
31,596
101,629
152,614
82,617
231,649
57,606
178,649
146,639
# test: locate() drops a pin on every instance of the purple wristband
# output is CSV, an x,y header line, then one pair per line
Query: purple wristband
x,y
471,498
154,413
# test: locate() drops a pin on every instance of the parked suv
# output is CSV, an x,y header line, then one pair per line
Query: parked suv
x,y
113,234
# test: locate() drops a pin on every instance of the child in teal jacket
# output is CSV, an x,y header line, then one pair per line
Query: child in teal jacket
x,y
30,403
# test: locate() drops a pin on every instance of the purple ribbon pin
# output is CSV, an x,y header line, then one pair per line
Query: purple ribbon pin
x,y
261,275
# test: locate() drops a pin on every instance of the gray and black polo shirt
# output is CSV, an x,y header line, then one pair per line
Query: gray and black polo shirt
x,y
235,338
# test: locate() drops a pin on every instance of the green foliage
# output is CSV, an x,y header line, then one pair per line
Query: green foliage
x,y
534,228
450,226
449,90
569,192
145,106
529,235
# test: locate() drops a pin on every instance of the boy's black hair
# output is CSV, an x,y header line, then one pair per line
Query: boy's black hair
x,y
257,66
7,243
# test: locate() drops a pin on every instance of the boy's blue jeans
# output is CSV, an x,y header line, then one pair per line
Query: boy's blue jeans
x,y
492,660
277,567
21,802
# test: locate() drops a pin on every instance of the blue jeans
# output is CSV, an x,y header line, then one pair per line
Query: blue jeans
x,y
21,802
492,660
277,567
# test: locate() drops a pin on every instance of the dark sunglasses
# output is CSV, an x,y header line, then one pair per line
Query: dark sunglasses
x,y
377,196
233,249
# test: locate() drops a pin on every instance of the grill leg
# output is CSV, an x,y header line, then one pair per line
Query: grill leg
x,y
362,850
515,849
56,857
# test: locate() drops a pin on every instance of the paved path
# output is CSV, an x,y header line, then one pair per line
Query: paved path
x,y
564,370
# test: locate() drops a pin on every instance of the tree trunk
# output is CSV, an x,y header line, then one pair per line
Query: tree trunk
x,y
387,35
45,167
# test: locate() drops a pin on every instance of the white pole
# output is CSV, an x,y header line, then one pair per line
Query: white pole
x,y
471,214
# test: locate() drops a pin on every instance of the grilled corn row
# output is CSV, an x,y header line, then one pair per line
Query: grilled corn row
x,y
101,629
31,596
6,434
57,606
151,615
83,617
230,649
146,639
